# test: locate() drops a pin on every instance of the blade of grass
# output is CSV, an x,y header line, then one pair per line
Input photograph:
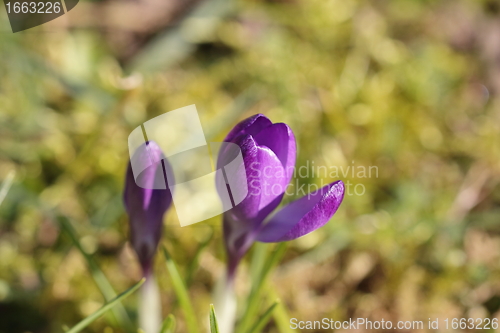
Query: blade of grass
x,y
168,325
280,314
105,287
85,322
264,319
214,326
254,298
182,293
6,184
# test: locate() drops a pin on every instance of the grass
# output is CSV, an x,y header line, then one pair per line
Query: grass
x,y
393,85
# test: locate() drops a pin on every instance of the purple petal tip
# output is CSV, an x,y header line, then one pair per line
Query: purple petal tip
x,y
304,215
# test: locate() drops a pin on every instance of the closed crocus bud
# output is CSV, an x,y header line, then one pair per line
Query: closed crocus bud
x,y
269,153
147,198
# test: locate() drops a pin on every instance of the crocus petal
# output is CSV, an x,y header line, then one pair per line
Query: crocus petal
x,y
266,181
280,139
303,215
249,126
145,205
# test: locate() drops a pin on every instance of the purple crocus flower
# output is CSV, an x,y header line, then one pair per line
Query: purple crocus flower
x,y
146,204
269,153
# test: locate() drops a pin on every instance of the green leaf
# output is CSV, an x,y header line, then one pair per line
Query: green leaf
x,y
214,327
105,287
85,322
182,293
168,325
264,319
254,298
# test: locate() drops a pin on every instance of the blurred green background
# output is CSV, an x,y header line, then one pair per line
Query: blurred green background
x,y
408,86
